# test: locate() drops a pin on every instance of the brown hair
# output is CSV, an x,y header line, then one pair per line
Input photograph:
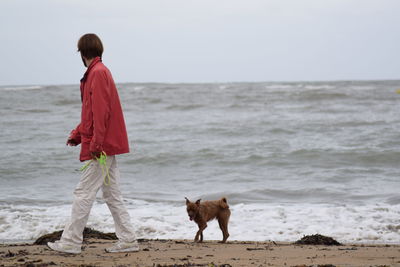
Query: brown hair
x,y
90,46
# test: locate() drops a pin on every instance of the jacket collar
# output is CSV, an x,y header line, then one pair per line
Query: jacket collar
x,y
92,64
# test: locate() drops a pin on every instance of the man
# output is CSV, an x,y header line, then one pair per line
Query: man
x,y
101,133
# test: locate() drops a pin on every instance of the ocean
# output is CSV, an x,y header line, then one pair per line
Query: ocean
x,y
292,158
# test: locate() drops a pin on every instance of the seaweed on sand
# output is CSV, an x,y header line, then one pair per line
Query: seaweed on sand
x,y
317,240
87,233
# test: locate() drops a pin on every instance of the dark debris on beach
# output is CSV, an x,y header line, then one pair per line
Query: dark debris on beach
x,y
192,265
87,233
317,240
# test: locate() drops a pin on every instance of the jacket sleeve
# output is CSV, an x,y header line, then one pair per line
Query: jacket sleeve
x,y
76,135
100,98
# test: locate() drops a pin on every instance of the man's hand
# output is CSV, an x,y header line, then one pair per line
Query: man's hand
x,y
95,155
71,142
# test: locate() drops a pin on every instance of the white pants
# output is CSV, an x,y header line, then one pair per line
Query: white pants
x,y
84,195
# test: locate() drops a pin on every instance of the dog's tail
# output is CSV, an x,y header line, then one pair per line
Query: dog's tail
x,y
223,203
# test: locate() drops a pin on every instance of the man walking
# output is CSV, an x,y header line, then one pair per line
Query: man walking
x,y
102,135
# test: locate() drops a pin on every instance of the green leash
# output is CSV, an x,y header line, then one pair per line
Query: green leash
x,y
102,160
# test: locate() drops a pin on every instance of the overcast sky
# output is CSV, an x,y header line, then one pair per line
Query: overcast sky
x,y
202,40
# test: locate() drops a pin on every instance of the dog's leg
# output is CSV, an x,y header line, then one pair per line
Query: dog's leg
x,y
224,229
196,238
200,233
223,224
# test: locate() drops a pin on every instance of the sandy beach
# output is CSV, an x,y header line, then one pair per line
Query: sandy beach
x,y
211,253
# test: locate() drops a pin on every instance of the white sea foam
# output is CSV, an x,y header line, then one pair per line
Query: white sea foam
x,y
222,87
139,88
319,87
280,87
372,224
20,88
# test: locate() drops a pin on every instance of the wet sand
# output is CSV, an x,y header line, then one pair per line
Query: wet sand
x,y
211,253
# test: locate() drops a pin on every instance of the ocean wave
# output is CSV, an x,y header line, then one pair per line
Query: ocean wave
x,y
393,200
320,96
376,223
281,86
309,195
184,107
38,110
160,159
346,156
139,88
319,87
67,102
21,88
277,130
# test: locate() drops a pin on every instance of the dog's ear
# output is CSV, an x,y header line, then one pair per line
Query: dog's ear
x,y
187,200
198,202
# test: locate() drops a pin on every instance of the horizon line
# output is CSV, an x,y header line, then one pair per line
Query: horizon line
x,y
215,82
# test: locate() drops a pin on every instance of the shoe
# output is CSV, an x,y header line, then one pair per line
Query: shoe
x,y
66,248
124,247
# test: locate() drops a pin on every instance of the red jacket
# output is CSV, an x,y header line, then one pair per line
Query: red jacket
x,y
102,126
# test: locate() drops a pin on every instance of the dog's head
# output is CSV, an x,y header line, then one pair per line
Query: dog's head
x,y
192,208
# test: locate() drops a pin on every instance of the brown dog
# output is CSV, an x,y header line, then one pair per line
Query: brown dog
x,y
205,211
